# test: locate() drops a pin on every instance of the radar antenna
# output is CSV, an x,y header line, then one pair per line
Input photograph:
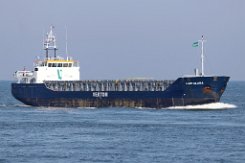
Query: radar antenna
x,y
50,42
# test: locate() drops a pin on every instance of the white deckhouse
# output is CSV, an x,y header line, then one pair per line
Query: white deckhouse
x,y
51,68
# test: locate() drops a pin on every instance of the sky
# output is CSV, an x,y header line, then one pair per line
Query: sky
x,y
118,39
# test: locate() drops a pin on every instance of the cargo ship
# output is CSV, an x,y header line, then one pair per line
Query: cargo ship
x,y
55,82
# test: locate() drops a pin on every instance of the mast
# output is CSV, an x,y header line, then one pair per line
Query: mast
x,y
202,54
50,43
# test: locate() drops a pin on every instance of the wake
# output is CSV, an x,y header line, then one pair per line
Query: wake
x,y
210,106
217,105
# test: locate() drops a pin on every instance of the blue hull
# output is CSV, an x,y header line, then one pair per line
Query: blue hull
x,y
184,91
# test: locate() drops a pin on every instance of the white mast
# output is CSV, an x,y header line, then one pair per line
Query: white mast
x,y
202,54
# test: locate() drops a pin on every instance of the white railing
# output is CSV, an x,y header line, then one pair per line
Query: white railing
x,y
24,76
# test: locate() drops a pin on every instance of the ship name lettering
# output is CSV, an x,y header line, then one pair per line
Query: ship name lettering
x,y
194,83
100,94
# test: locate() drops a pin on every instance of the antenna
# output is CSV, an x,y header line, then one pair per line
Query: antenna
x,y
202,54
66,44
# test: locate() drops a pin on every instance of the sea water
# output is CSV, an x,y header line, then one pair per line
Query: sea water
x,y
204,133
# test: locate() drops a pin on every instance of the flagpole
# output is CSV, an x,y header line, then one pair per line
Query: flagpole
x,y
202,55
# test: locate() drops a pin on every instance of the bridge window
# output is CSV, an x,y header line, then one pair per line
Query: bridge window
x,y
55,65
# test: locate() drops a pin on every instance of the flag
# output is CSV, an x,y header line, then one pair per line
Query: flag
x,y
195,44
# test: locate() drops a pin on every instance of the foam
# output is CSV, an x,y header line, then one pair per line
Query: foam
x,y
217,105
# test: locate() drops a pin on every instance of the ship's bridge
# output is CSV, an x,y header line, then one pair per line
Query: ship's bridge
x,y
56,69
57,62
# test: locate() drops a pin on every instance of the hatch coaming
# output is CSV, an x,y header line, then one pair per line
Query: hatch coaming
x,y
109,85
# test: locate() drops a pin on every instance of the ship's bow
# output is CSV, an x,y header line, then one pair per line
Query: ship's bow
x,y
199,89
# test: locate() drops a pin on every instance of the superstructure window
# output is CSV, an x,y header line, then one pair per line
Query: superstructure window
x,y
65,65
54,65
49,65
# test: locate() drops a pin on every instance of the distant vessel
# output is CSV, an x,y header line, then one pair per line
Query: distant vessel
x,y
55,82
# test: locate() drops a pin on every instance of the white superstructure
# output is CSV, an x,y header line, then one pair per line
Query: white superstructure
x,y
51,68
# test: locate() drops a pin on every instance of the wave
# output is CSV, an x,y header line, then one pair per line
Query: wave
x,y
21,106
14,105
3,105
86,108
217,105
